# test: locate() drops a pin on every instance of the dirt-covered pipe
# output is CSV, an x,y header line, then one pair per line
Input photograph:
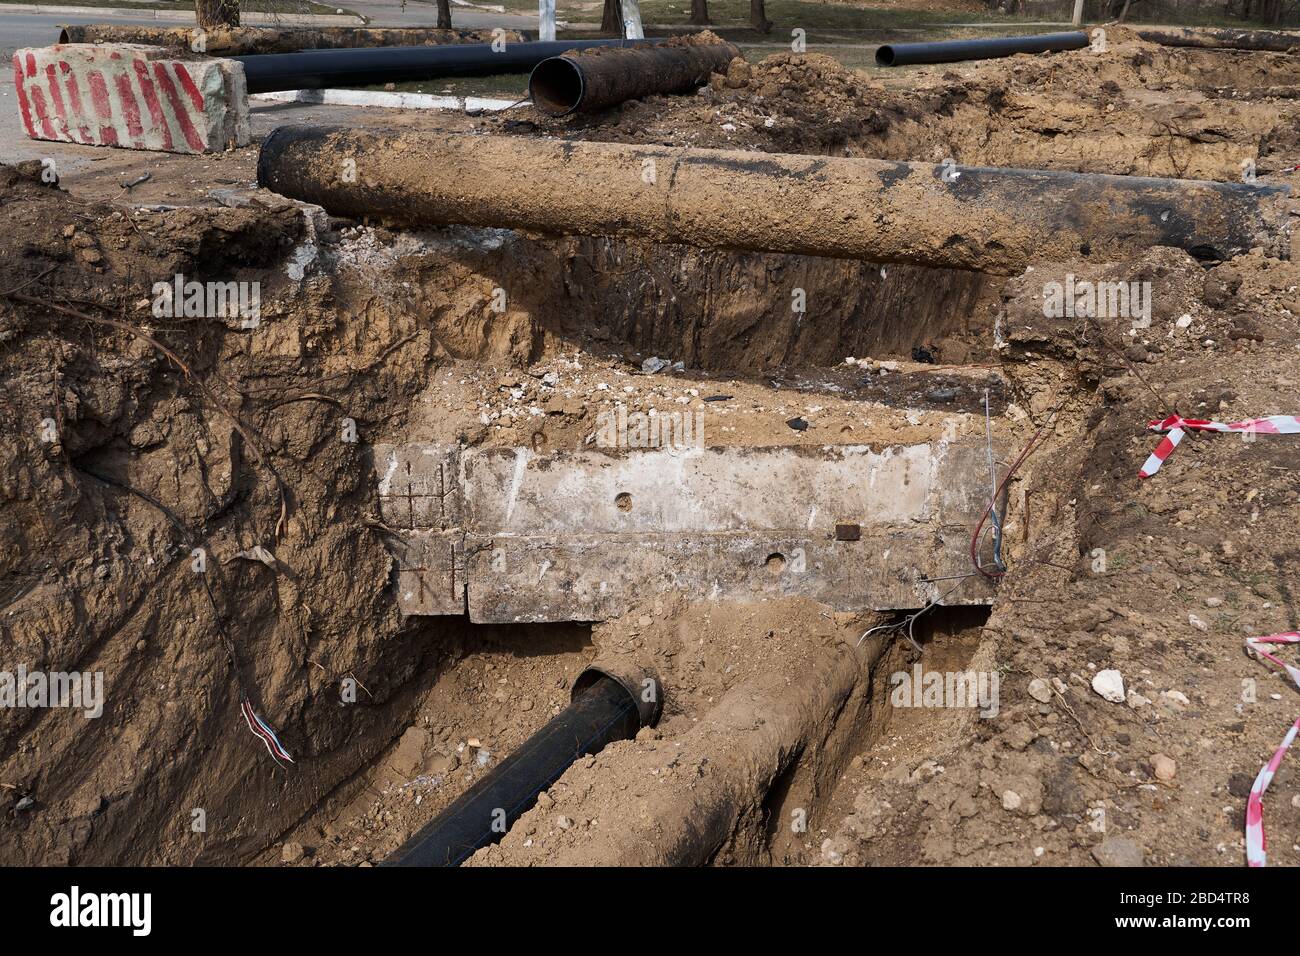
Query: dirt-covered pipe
x,y
607,705
990,220
1268,41
989,48
593,80
731,766
230,41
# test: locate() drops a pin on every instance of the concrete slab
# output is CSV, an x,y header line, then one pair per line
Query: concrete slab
x,y
585,535
131,95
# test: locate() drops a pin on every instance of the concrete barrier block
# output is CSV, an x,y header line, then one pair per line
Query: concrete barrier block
x,y
130,95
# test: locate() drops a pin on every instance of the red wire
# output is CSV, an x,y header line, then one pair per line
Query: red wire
x,y
975,538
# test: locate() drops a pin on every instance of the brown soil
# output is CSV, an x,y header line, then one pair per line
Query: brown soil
x,y
236,442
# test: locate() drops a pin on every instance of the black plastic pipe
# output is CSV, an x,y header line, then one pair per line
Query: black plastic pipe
x,y
603,709
951,51
324,69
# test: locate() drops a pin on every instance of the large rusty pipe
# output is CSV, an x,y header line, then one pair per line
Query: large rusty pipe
x,y
230,41
591,80
1273,41
992,220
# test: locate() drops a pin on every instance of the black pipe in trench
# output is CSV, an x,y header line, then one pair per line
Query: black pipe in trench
x,y
603,709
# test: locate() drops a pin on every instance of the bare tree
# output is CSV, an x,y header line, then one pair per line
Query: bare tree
x,y
700,12
444,14
216,13
611,19
758,16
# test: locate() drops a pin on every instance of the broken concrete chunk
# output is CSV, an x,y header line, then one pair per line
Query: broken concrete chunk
x,y
1110,685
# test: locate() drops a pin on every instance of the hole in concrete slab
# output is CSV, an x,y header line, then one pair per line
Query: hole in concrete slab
x,y
623,501
775,563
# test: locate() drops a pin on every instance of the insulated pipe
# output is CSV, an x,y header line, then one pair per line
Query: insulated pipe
x,y
950,51
1269,41
605,707
596,79
322,69
990,220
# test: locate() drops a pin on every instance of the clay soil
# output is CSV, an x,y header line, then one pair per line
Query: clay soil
x,y
171,434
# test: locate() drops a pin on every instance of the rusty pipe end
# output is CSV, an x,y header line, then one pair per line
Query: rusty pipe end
x,y
557,85
641,684
63,35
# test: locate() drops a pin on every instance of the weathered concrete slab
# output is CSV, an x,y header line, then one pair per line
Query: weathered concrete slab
x,y
131,95
431,572
584,535
519,579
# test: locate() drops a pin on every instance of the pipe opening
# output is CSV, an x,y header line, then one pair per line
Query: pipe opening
x,y
885,55
556,86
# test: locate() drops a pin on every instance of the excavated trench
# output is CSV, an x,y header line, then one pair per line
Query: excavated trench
x,y
404,337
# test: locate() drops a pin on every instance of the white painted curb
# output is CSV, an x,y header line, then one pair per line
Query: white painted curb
x,y
404,101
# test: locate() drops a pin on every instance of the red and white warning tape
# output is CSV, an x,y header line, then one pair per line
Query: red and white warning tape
x,y
1176,428
264,733
1256,844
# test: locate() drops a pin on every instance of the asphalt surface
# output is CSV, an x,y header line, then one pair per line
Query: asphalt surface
x,y
18,30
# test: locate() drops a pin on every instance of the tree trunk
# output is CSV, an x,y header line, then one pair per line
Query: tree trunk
x,y
216,13
444,14
758,16
611,20
700,12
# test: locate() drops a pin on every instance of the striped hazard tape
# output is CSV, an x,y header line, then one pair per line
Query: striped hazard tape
x,y
264,733
1256,844
1176,428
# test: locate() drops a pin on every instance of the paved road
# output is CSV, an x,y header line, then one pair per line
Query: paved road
x,y
27,29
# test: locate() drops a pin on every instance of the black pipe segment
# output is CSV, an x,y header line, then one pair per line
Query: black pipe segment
x,y
596,79
951,51
324,69
604,708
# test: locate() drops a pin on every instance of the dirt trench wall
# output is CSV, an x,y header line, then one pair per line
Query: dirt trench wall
x,y
116,463
711,310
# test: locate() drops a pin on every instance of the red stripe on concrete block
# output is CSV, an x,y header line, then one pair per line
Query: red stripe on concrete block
x,y
56,97
178,108
130,109
74,97
42,117
24,106
131,95
187,83
151,103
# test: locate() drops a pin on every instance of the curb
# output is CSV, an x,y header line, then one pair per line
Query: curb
x,y
426,101
180,16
